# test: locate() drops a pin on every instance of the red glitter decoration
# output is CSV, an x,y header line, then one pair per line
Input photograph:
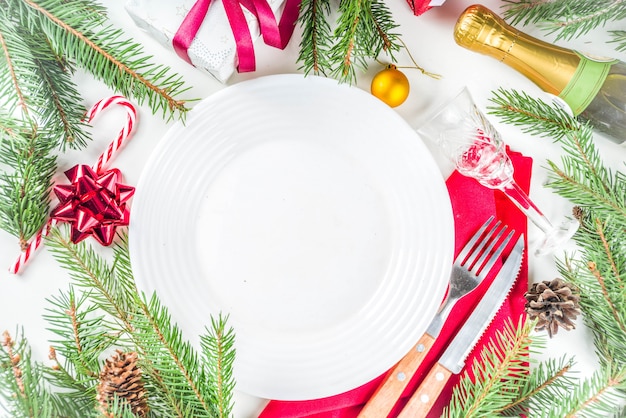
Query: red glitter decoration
x,y
95,204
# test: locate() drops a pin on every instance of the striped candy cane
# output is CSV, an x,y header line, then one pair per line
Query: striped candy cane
x,y
98,167
131,116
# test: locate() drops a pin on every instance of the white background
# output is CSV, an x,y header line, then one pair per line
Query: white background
x,y
428,37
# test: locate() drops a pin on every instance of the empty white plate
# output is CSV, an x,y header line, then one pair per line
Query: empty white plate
x,y
309,212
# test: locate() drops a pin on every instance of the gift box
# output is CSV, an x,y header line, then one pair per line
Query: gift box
x,y
214,47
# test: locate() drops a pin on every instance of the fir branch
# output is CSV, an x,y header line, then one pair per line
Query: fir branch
x,y
619,37
81,340
383,23
76,396
118,62
24,192
176,378
343,52
91,273
597,396
546,382
567,18
533,116
363,30
598,270
599,187
594,188
316,34
21,380
499,374
42,84
218,357
172,359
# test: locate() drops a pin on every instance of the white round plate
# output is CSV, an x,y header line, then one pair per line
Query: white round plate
x,y
311,214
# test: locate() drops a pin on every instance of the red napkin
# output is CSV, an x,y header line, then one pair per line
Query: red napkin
x,y
472,204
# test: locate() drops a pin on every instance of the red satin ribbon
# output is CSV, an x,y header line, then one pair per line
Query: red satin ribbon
x,y
276,34
419,6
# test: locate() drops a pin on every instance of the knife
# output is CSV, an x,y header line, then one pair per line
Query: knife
x,y
386,395
453,359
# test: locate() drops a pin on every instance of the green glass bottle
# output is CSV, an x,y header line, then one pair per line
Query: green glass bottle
x,y
594,88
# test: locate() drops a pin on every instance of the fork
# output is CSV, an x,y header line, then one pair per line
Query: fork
x,y
470,267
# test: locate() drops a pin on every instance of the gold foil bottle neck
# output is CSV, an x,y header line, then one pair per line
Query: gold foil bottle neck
x,y
549,66
481,30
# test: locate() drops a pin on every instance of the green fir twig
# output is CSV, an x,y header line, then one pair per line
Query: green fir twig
x,y
619,38
180,380
86,40
316,37
363,30
533,116
598,269
567,18
21,383
26,182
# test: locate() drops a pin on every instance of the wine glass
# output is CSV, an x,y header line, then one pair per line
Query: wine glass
x,y
467,138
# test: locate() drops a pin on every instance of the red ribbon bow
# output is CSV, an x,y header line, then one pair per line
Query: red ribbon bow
x,y
419,6
274,34
94,204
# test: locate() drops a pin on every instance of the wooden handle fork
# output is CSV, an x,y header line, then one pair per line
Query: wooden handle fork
x,y
387,394
422,401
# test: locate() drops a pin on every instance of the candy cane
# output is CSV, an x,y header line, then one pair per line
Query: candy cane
x,y
131,116
103,160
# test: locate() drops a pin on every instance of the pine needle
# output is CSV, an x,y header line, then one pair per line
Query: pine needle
x,y
567,18
362,31
599,268
179,380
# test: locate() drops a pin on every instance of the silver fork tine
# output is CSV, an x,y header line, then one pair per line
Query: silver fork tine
x,y
496,254
470,244
483,242
477,266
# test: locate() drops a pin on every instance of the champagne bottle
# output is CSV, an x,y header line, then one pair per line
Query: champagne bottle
x,y
594,88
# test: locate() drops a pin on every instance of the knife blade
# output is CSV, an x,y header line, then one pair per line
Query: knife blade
x,y
453,359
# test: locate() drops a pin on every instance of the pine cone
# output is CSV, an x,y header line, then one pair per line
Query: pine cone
x,y
555,303
121,376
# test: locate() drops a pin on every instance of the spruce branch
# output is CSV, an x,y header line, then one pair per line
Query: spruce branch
x,y
583,178
619,38
499,373
598,187
567,18
21,380
178,380
218,357
43,86
598,269
120,63
533,116
315,42
24,191
362,31
597,396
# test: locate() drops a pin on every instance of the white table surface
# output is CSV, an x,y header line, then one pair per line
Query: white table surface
x,y
429,38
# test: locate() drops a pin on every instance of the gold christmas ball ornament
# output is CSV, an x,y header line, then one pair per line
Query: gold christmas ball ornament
x,y
391,86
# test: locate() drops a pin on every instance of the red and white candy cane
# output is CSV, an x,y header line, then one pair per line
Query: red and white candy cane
x,y
131,116
98,167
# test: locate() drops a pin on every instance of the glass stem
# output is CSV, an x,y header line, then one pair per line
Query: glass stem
x,y
523,202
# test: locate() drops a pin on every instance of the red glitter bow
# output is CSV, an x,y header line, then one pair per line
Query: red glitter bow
x,y
94,204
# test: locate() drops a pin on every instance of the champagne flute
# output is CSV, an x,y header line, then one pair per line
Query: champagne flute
x,y
466,137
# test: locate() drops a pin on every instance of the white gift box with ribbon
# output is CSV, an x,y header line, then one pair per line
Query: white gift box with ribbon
x,y
214,47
